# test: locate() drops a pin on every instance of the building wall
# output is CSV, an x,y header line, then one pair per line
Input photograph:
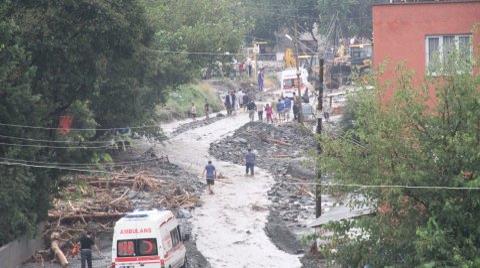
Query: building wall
x,y
399,32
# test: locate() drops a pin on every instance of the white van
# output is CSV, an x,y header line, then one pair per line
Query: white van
x,y
288,81
147,239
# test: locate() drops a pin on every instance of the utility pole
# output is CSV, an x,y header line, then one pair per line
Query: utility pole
x,y
299,97
318,184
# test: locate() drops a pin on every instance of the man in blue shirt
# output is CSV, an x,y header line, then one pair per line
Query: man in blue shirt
x,y
211,175
249,162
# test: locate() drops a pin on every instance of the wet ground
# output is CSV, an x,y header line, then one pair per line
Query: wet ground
x,y
229,228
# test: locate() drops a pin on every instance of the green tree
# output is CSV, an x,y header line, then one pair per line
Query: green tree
x,y
408,142
270,16
353,17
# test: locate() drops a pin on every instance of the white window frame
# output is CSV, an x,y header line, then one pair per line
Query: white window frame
x,y
440,48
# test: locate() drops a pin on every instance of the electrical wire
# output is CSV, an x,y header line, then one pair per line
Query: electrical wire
x,y
56,147
392,186
113,164
54,141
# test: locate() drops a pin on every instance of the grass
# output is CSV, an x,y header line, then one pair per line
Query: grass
x,y
179,101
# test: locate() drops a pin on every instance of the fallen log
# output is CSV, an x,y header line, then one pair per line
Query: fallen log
x,y
87,217
279,142
57,251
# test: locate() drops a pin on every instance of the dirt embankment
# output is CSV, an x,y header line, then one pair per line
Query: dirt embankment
x,y
283,150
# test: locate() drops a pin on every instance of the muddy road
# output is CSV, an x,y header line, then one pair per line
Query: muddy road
x,y
229,227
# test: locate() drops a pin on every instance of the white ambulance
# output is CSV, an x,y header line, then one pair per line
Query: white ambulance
x,y
147,239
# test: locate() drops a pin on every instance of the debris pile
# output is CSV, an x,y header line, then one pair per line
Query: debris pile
x,y
95,203
197,123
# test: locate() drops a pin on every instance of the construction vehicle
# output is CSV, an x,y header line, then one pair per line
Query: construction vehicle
x,y
361,57
354,59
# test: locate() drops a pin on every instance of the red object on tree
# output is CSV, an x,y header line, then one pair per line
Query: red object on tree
x,y
64,124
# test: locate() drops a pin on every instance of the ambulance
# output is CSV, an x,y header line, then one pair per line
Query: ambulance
x,y
147,239
289,81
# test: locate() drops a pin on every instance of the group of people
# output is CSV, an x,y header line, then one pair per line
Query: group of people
x,y
210,172
206,110
235,101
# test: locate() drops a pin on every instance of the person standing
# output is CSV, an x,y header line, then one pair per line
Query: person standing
x,y
193,111
240,98
210,174
246,100
229,102
296,107
280,107
250,162
206,108
260,113
249,67
260,79
236,104
251,107
288,107
269,112
86,243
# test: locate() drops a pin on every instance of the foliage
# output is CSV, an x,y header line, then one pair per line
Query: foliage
x,y
406,141
354,17
270,16
107,64
179,102
209,28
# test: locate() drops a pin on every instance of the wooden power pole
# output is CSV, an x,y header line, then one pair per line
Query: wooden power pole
x,y
318,184
299,97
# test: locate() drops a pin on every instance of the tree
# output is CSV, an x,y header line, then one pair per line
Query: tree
x,y
190,35
271,16
85,59
353,17
408,142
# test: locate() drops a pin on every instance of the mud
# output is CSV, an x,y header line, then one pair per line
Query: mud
x,y
285,151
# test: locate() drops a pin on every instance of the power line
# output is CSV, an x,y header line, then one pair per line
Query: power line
x,y
53,141
56,147
113,164
60,168
78,129
391,186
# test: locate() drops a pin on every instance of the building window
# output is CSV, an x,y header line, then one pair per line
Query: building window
x,y
443,50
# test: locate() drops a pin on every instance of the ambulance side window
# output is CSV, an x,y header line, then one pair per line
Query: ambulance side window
x,y
175,235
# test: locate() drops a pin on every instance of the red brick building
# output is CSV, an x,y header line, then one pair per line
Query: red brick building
x,y
412,33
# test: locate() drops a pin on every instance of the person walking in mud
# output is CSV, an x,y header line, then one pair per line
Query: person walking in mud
x,y
210,174
250,162
251,107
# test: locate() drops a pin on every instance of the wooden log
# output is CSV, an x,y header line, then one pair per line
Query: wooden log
x,y
88,217
57,251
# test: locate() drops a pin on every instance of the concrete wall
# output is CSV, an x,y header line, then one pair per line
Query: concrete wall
x,y
399,32
15,253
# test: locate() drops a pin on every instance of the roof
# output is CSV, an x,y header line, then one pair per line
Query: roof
x,y
340,213
427,2
146,215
